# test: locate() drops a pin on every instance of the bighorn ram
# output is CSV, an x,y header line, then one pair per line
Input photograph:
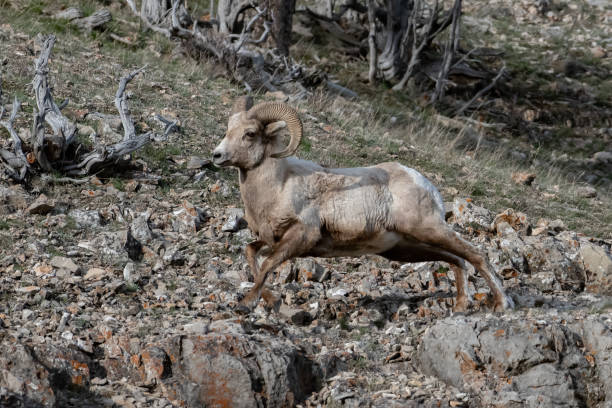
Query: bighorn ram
x,y
297,208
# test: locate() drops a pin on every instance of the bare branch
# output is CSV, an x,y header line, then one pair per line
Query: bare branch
x,y
164,31
450,51
169,125
341,90
18,163
63,129
245,35
481,92
62,180
122,107
97,19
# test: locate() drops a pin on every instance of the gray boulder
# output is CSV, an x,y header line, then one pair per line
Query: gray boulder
x,y
521,362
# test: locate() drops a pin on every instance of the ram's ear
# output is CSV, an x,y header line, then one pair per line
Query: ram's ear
x,y
273,129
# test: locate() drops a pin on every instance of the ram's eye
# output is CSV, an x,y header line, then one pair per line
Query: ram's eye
x,y
249,134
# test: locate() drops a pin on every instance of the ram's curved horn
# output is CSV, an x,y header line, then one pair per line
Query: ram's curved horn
x,y
269,112
242,104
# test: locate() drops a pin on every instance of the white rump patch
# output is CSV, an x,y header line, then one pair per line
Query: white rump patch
x,y
421,181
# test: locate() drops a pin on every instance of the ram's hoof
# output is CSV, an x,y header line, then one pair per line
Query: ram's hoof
x,y
242,309
503,303
462,306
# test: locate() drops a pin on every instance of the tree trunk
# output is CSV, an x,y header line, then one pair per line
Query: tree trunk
x,y
372,40
155,11
390,62
281,14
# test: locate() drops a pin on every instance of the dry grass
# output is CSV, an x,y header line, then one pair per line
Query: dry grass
x,y
86,68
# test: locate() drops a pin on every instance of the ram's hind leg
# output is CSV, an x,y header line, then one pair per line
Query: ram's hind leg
x,y
426,253
443,237
464,299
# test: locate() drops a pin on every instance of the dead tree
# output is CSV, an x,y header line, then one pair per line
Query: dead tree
x,y
156,11
281,14
373,53
236,41
59,149
14,163
409,38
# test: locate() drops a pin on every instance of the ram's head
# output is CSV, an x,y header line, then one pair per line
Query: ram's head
x,y
253,134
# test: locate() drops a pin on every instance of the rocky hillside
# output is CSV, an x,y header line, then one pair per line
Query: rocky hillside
x,y
89,318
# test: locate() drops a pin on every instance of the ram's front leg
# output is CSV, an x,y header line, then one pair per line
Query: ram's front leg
x,y
272,300
297,240
250,252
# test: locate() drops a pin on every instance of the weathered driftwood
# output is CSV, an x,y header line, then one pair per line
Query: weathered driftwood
x,y
97,19
49,148
69,14
103,156
15,162
57,151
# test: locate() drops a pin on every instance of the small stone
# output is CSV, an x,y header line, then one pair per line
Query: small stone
x,y
586,192
235,220
523,178
295,315
85,130
130,274
99,381
603,157
530,115
42,269
197,162
278,95
85,218
557,225
309,270
188,219
67,264
26,314
42,205
541,227
598,52
338,292
173,256
598,265
95,274
28,289
510,218
197,327
468,214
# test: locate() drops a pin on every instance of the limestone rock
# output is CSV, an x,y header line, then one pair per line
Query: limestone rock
x,y
534,364
224,369
12,199
234,220
85,218
468,214
64,263
598,265
42,205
